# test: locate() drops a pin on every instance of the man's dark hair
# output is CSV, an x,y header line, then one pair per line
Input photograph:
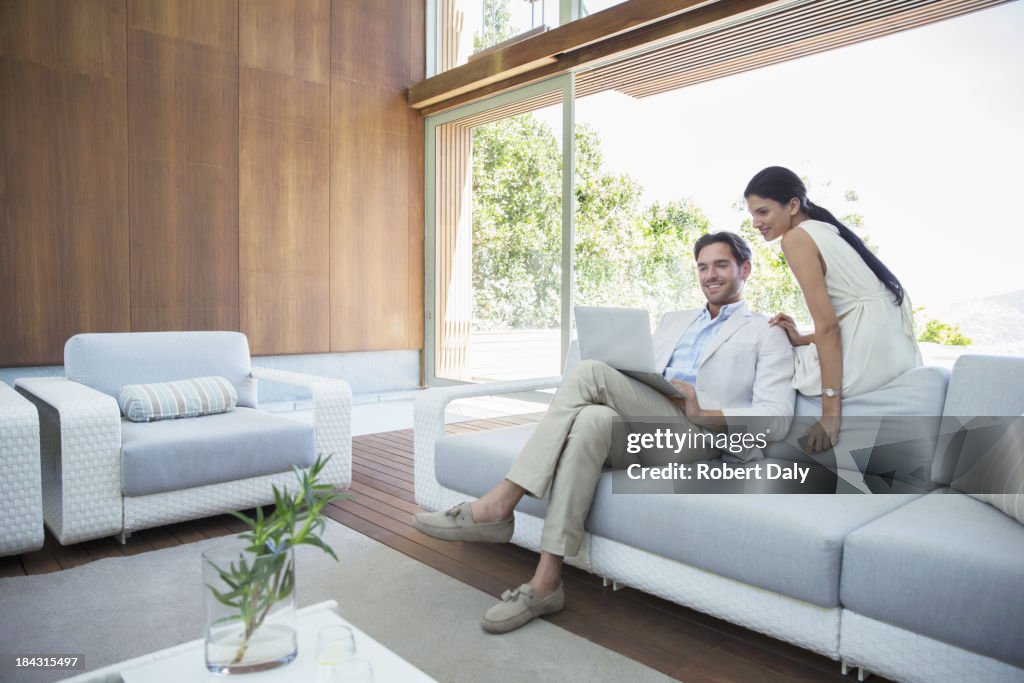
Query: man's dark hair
x,y
737,245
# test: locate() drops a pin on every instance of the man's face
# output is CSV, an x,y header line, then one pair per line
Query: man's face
x,y
721,278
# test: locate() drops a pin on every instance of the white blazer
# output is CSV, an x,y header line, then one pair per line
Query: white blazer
x,y
747,371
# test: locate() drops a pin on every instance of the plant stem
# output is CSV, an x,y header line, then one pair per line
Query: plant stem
x,y
253,624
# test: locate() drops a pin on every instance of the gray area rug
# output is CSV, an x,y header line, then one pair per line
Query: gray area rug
x,y
119,608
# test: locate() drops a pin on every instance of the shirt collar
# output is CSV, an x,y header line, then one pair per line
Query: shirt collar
x,y
723,314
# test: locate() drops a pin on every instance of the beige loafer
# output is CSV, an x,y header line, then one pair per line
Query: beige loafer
x,y
520,606
457,524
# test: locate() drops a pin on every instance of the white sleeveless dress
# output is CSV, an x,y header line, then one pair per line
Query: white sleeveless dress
x,y
877,335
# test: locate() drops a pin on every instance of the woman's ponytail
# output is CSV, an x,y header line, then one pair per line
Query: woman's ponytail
x,y
880,270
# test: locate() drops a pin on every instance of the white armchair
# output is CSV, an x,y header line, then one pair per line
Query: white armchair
x,y
103,475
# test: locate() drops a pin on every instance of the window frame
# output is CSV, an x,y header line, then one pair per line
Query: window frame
x,y
564,83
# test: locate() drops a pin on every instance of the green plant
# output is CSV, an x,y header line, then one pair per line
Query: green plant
x,y
265,573
943,333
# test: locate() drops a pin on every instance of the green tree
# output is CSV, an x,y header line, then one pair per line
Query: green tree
x,y
497,25
516,224
625,254
939,332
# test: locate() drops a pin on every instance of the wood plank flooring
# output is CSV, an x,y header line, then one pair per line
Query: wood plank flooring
x,y
682,643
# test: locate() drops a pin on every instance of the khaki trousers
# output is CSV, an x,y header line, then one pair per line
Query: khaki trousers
x,y
575,440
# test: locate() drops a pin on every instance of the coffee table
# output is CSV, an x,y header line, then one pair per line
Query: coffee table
x,y
186,663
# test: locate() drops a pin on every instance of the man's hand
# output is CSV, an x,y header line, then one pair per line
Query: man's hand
x,y
787,323
713,420
689,402
822,435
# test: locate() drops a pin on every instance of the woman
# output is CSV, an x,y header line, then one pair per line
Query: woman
x,y
863,323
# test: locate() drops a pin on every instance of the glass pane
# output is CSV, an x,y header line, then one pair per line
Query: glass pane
x,y
918,160
499,247
594,6
632,249
469,26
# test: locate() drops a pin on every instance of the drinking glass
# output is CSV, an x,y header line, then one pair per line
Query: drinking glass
x,y
334,645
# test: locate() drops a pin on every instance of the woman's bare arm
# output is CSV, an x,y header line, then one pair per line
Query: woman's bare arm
x,y
804,260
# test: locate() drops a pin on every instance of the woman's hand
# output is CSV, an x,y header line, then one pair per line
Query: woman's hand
x,y
823,435
787,323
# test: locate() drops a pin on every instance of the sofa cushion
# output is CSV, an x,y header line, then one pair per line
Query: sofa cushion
x,y
178,454
170,400
892,431
473,463
980,386
106,362
946,566
790,544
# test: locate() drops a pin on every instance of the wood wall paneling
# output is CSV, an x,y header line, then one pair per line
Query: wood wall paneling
x,y
367,44
63,175
211,164
417,71
284,219
376,178
291,37
205,22
183,164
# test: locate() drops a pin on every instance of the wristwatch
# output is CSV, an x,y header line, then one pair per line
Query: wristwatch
x,y
830,392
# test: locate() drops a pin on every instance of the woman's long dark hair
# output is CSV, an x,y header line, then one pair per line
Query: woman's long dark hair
x,y
780,184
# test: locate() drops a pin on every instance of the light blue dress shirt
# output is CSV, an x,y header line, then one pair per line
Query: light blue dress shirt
x,y
689,352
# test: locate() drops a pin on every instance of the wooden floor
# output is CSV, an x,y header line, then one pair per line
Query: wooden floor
x,y
682,643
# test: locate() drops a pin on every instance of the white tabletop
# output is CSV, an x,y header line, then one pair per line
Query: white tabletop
x,y
186,663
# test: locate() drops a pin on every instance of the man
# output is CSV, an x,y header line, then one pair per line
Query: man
x,y
732,368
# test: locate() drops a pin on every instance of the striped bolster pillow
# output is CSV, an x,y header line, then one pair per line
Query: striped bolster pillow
x,y
184,398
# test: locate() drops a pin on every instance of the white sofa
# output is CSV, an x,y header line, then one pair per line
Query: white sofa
x,y
103,475
917,586
21,524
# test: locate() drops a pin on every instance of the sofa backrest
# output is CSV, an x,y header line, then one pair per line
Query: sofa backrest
x,y
980,388
106,362
888,432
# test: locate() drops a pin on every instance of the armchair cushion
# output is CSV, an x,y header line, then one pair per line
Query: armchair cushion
x,y
184,398
171,455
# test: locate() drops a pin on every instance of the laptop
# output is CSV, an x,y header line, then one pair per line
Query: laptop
x,y
621,337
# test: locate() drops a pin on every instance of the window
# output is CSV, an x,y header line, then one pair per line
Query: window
x,y
915,147
498,267
469,27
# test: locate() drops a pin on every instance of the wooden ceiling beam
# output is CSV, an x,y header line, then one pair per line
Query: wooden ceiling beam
x,y
460,91
616,30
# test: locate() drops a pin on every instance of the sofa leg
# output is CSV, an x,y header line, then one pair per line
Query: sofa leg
x,y
605,582
844,668
862,674
124,536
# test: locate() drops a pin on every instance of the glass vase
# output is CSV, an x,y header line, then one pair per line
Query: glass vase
x,y
249,604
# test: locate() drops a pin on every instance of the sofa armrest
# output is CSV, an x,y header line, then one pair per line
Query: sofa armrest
x,y
80,449
332,418
428,427
21,524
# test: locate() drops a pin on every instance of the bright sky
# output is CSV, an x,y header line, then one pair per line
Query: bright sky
x,y
927,126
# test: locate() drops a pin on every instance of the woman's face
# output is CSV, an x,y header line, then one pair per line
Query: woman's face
x,y
771,218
